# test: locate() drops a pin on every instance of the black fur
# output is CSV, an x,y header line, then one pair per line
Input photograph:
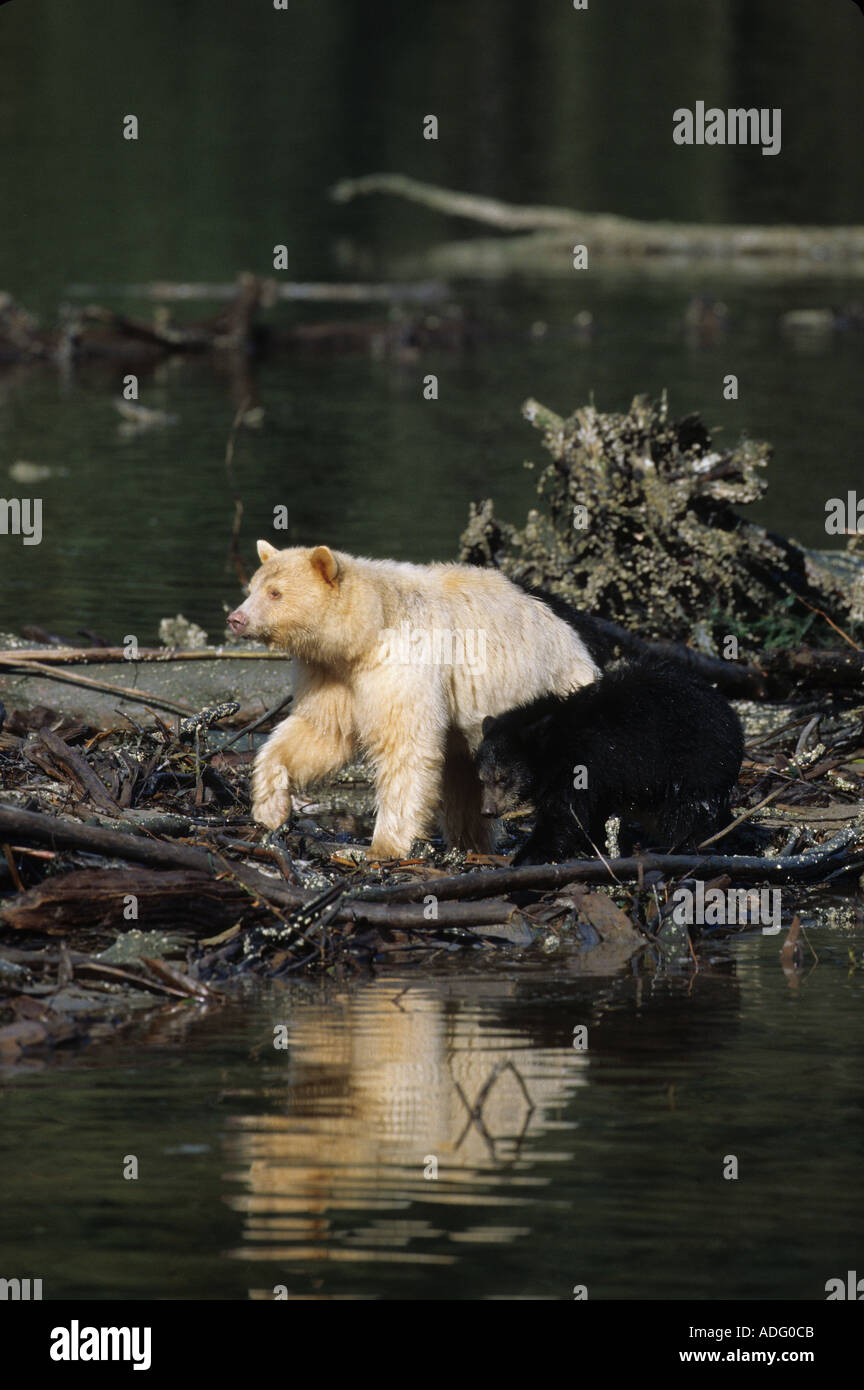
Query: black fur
x,y
603,639
662,750
606,641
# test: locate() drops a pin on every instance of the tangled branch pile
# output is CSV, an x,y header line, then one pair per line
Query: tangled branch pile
x,y
134,884
639,525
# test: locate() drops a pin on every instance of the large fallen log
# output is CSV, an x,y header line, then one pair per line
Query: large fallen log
x,y
34,828
744,868
776,675
779,672
168,898
96,898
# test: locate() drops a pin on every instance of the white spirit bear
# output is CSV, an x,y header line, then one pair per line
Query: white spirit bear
x,y
400,663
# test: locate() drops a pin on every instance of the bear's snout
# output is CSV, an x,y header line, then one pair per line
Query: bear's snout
x,y
237,621
489,804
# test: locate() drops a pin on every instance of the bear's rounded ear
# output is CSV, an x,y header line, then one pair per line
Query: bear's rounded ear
x,y
266,551
487,725
325,562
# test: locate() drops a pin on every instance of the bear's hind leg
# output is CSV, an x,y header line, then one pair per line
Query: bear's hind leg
x,y
461,796
690,819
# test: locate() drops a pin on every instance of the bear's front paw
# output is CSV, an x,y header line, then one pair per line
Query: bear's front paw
x,y
271,796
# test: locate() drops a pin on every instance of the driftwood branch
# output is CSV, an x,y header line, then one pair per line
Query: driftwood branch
x,y
191,339
95,333
31,827
610,235
253,726
123,692
510,217
745,868
55,757
75,656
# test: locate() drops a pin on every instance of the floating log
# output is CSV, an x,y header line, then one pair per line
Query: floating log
x,y
319,292
95,332
612,236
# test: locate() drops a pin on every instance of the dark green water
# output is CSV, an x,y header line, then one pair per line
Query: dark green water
x,y
137,528
247,120
305,1168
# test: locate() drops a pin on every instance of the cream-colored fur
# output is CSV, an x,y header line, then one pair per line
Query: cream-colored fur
x,y
418,721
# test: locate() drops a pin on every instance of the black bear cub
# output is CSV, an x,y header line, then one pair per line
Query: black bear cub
x,y
648,742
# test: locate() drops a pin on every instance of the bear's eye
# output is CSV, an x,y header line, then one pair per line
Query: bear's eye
x,y
273,593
